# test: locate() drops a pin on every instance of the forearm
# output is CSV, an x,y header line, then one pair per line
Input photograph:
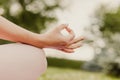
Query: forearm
x,y
12,32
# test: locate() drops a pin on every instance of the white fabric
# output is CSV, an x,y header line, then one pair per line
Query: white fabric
x,y
21,62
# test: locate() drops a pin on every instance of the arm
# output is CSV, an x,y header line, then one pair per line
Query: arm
x,y
12,32
52,39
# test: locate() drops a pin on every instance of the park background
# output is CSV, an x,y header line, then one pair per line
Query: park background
x,y
97,20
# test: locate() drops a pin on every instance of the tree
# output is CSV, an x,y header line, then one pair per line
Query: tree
x,y
34,15
106,27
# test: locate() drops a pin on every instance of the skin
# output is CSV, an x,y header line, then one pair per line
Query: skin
x,y
12,32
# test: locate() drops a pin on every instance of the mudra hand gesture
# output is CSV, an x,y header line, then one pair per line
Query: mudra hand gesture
x,y
51,39
55,39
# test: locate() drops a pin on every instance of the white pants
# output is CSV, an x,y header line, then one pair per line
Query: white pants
x,y
21,62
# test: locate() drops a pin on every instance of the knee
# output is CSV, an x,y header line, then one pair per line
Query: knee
x,y
44,68
43,63
24,56
21,58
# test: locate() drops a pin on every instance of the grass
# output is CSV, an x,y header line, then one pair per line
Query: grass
x,y
64,63
55,73
62,69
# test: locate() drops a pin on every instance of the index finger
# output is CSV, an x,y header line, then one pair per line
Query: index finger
x,y
61,27
71,33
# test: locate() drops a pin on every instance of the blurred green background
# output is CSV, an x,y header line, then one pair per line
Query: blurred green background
x,y
104,27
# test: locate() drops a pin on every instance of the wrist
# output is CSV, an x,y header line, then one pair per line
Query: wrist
x,y
33,39
37,40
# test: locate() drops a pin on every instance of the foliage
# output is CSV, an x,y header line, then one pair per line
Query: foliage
x,y
31,14
64,63
34,15
106,27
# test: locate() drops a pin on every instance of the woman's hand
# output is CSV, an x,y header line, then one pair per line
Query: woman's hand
x,y
55,39
52,39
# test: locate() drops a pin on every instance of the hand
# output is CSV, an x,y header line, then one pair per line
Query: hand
x,y
75,43
55,39
52,39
